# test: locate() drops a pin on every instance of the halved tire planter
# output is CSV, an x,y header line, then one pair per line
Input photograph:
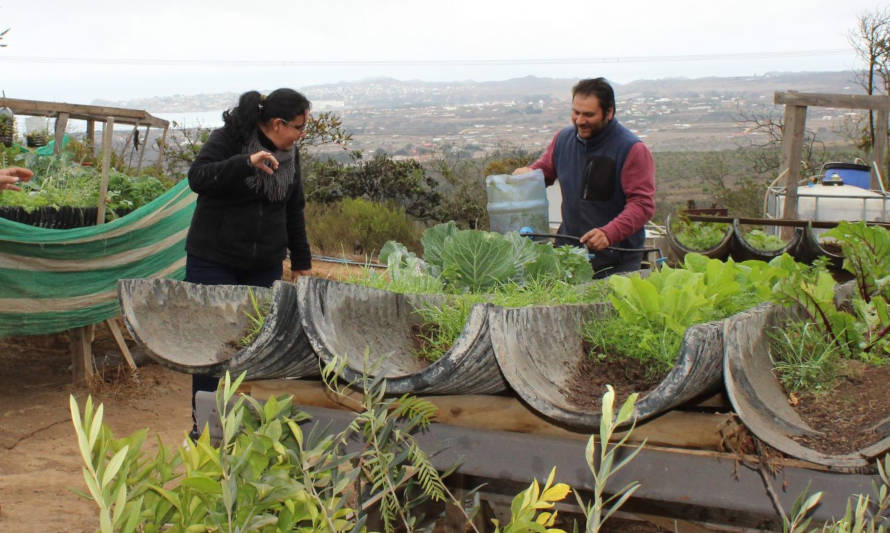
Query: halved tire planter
x,y
539,347
189,327
373,330
741,249
678,251
761,402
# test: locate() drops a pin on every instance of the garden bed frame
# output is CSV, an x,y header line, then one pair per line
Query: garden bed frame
x,y
499,442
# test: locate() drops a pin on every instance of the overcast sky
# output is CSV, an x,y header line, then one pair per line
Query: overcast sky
x,y
77,51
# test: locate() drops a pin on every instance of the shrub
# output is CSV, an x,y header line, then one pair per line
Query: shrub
x,y
360,225
380,179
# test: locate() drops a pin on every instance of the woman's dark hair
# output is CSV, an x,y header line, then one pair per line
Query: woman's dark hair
x,y
599,88
254,108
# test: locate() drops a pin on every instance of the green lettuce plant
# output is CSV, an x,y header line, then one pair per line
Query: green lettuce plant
x,y
699,235
653,313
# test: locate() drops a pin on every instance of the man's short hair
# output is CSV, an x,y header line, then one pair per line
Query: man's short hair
x,y
598,87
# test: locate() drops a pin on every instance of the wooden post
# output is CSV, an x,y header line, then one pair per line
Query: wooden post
x,y
142,150
880,153
107,137
161,147
792,146
91,135
121,343
61,126
131,137
81,354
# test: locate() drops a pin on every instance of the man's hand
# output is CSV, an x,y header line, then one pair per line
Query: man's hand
x,y
522,170
298,273
595,240
12,175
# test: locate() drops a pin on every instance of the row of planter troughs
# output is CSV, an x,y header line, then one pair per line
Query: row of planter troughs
x,y
532,350
804,247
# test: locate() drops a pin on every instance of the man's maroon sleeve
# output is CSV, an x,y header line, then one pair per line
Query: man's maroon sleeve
x,y
545,163
638,183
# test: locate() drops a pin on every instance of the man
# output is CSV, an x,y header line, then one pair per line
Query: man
x,y
607,177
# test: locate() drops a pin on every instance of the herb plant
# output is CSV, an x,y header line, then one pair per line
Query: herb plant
x,y
856,329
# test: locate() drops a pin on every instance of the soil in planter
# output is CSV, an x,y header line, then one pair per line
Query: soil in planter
x,y
591,375
846,414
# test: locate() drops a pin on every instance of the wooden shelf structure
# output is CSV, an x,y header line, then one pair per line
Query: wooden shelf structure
x,y
81,338
796,105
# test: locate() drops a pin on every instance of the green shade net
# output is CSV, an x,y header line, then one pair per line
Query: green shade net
x,y
53,280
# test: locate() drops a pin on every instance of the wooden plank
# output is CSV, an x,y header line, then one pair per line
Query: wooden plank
x,y
502,413
121,343
880,152
61,125
782,222
107,137
41,108
842,101
81,354
792,146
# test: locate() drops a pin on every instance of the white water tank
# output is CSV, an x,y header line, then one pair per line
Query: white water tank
x,y
836,203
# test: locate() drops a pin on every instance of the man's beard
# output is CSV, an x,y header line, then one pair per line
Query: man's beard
x,y
594,130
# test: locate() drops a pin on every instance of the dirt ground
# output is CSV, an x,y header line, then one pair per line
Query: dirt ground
x,y
40,465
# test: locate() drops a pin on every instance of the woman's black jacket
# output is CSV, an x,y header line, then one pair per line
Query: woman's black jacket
x,y
236,226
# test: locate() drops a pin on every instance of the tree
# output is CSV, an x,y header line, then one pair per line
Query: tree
x,y
767,153
871,40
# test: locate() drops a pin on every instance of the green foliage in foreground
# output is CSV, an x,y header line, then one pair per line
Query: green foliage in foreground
x,y
265,475
653,313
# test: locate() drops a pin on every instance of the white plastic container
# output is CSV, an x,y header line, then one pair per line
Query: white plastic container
x,y
519,201
836,203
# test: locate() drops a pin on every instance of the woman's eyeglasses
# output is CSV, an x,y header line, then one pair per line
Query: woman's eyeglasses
x,y
300,127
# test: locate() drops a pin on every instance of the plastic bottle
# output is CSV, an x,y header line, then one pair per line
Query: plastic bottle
x,y
517,201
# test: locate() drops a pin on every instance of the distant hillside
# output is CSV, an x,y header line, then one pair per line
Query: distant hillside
x,y
393,93
818,82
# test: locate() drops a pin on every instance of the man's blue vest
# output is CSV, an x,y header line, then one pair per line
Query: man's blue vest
x,y
589,173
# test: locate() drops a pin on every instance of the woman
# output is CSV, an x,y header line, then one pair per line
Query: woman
x,y
250,204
